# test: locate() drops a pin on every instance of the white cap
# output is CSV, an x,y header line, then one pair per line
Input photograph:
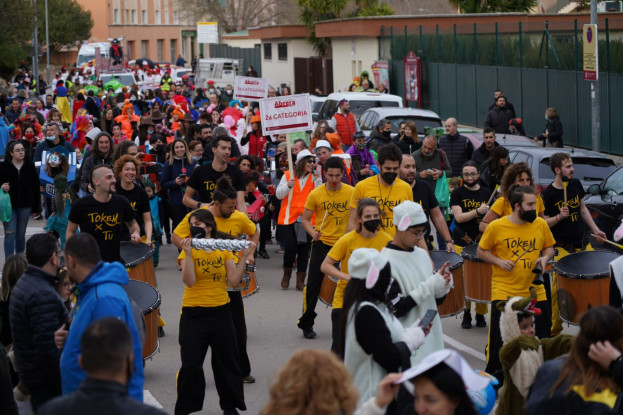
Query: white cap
x,y
408,214
302,155
323,143
93,132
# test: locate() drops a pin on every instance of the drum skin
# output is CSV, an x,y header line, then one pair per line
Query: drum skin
x,y
327,290
454,302
583,282
147,298
476,276
139,262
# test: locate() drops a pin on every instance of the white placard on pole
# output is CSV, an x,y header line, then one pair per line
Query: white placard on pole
x,y
285,114
250,89
207,32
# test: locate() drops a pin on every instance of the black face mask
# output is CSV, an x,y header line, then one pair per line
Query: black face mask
x,y
470,184
528,215
197,232
389,177
159,147
387,134
372,225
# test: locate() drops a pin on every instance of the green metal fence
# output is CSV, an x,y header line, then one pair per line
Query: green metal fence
x,y
536,67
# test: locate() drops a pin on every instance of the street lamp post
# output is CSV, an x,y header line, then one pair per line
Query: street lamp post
x,y
35,47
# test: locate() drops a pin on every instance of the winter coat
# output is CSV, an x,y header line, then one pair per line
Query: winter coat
x,y
554,129
36,312
100,295
459,149
498,119
407,145
438,160
88,163
47,145
24,184
169,174
377,140
481,154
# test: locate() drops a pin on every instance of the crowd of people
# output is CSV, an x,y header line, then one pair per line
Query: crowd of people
x,y
175,164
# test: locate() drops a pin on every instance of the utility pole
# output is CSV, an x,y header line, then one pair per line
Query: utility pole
x,y
595,119
35,47
47,43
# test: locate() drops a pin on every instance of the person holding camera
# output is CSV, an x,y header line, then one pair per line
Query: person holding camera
x,y
174,177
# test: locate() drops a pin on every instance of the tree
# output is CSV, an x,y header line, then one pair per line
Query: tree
x,y
15,31
68,23
493,6
312,11
234,15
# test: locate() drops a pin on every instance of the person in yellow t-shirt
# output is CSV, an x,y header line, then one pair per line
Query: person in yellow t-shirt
x,y
330,204
385,188
514,245
233,222
516,174
369,233
206,320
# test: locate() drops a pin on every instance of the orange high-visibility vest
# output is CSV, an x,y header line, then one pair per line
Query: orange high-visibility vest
x,y
292,208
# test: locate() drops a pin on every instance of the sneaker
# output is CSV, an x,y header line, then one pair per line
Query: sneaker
x,y
280,251
169,239
230,412
38,217
248,379
309,333
480,321
467,320
160,331
263,254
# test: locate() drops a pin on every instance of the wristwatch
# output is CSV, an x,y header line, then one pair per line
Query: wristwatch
x,y
198,205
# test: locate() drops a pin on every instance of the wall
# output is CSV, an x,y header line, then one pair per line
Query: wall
x,y
350,57
240,43
281,72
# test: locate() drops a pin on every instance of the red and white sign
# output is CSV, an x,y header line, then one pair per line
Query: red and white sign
x,y
250,89
285,114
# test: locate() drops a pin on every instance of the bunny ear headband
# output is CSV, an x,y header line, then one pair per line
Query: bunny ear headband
x,y
373,276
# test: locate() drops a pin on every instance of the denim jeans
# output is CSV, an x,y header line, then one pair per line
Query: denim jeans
x,y
15,232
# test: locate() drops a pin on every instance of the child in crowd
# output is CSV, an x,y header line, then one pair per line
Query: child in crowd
x,y
155,204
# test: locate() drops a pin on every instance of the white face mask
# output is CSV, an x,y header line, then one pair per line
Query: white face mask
x,y
229,92
211,90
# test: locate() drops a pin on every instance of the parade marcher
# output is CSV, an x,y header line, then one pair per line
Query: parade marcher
x,y
415,287
380,135
569,217
53,138
293,193
207,321
323,151
101,153
469,205
62,103
128,120
492,170
126,170
361,158
514,245
497,93
499,116
410,141
457,147
386,188
373,341
345,123
99,293
431,162
255,139
368,233
483,153
175,176
235,223
103,215
329,203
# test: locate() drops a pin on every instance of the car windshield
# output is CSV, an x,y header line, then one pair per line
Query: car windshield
x,y
585,169
316,105
614,184
125,78
359,107
420,122
82,59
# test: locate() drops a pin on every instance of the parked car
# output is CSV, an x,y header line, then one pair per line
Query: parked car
x,y
359,103
605,202
507,140
316,103
422,119
125,78
590,167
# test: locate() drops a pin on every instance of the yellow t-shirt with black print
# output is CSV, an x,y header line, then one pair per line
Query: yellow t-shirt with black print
x,y
508,241
342,250
210,289
388,197
333,204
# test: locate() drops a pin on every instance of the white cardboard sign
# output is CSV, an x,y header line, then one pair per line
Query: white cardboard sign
x,y
250,89
286,114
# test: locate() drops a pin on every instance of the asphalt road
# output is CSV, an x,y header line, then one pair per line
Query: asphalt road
x,y
271,316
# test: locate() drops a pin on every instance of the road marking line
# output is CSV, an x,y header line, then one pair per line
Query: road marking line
x,y
463,348
149,399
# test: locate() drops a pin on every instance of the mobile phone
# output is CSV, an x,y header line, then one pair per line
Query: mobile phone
x,y
183,176
428,318
271,152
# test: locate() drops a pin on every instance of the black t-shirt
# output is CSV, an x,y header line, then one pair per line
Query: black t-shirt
x,y
139,201
568,231
203,180
104,221
424,195
468,200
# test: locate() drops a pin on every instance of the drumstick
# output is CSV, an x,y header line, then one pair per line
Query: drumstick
x,y
493,194
564,190
524,253
322,223
609,242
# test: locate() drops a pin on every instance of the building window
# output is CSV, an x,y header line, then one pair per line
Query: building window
x,y
127,16
175,18
115,14
282,51
157,17
144,48
173,50
134,16
268,51
159,46
130,49
166,16
144,17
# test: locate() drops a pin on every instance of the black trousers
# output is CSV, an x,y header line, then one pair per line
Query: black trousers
x,y
177,214
165,213
265,233
336,314
542,325
237,312
319,251
293,249
200,328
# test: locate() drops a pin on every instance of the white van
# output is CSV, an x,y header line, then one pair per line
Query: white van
x,y
87,52
220,70
359,103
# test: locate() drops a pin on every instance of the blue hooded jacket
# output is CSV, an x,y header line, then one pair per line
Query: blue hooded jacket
x,y
101,295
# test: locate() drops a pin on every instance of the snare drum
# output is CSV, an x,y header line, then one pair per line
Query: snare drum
x,y
139,262
327,290
147,298
476,276
455,299
252,286
583,282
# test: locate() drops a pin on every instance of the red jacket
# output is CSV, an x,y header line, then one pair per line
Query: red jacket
x,y
346,127
256,143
